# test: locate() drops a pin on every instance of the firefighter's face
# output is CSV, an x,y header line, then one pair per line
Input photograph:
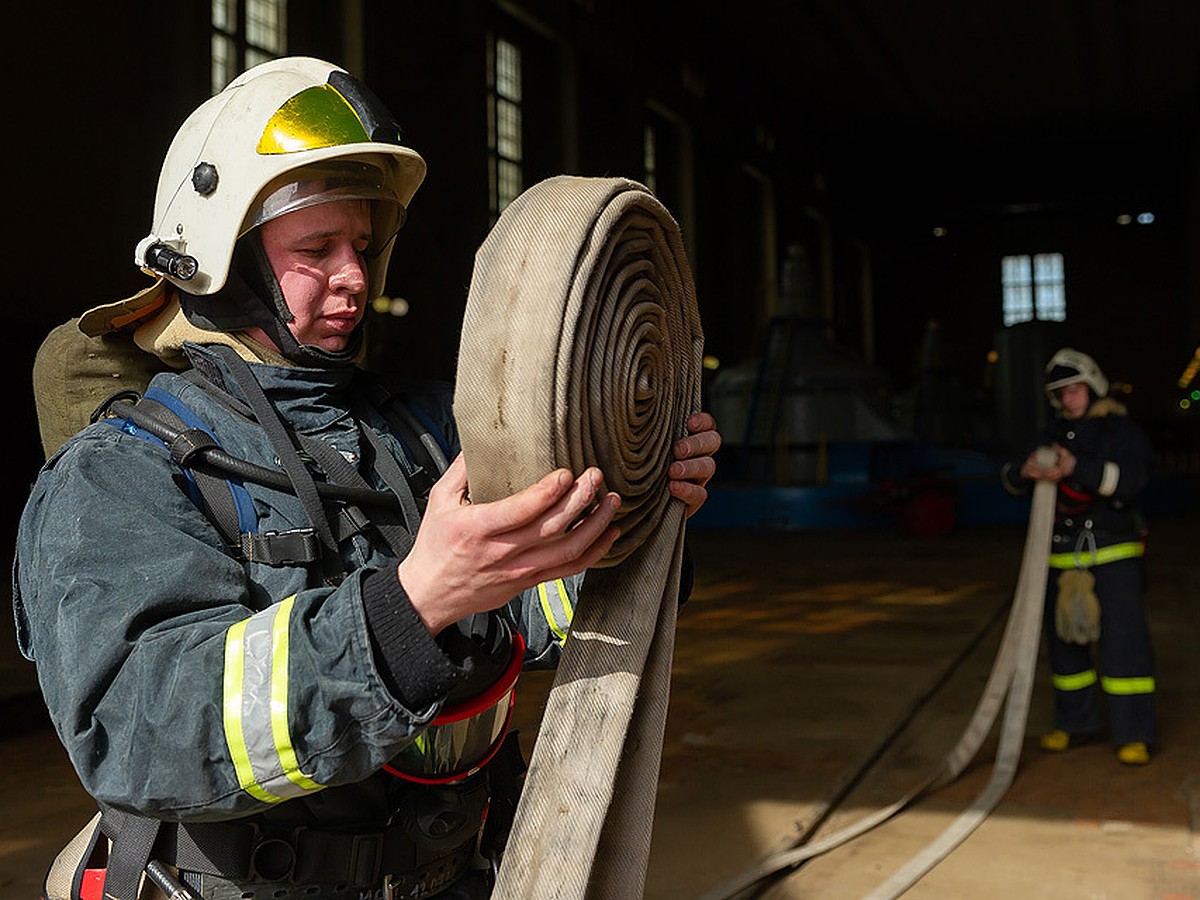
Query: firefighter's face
x,y
1074,399
317,257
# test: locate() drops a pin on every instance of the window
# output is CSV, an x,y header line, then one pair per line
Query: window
x,y
1034,287
244,34
505,146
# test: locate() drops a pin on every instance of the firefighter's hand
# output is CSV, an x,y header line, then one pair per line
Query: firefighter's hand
x,y
1064,462
470,558
1062,467
694,465
1033,470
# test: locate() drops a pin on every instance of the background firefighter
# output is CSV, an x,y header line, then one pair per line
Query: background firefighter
x,y
1097,571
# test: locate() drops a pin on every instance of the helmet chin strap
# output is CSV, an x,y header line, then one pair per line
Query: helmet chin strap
x,y
251,298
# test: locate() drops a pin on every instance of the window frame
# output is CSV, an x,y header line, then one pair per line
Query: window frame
x,y
1033,288
242,34
505,121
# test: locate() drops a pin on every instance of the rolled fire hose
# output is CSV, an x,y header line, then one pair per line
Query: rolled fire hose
x,y
581,346
1010,681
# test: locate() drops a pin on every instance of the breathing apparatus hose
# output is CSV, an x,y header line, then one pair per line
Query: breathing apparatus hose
x,y
581,346
194,448
1010,682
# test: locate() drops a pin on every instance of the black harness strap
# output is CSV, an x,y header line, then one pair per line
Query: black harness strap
x,y
242,854
133,840
341,471
393,476
281,440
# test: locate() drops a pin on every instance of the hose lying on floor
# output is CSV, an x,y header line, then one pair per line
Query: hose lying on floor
x,y
581,346
1011,676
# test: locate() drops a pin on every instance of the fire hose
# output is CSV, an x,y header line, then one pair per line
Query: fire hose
x,y
581,346
1010,682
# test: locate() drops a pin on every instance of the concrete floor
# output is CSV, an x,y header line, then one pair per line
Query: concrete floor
x,y
800,659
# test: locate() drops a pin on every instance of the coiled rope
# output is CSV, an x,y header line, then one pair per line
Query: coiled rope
x,y
1010,682
581,346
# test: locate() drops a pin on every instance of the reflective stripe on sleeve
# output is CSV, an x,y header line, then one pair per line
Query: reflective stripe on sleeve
x,y
1076,682
255,707
1127,686
558,614
1109,480
1086,560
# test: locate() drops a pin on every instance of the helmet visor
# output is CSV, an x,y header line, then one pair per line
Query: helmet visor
x,y
463,738
319,116
329,182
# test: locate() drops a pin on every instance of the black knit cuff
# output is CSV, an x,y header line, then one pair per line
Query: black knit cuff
x,y
413,667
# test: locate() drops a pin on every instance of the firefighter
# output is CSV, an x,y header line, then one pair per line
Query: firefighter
x,y
291,688
1097,573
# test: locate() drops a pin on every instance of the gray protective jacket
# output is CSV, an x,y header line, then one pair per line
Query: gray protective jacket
x,y
149,633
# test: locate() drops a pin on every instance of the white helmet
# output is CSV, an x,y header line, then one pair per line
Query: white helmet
x,y
1069,366
234,165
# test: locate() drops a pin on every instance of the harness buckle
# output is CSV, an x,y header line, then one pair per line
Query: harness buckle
x,y
299,546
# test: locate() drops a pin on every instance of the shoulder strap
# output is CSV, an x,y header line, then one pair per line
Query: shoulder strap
x,y
281,440
226,501
217,491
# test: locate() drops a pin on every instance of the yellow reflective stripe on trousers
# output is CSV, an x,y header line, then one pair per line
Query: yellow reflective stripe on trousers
x,y
559,620
1087,559
1076,682
255,707
1126,687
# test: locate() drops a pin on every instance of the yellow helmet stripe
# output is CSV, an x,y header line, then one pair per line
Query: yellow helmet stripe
x,y
316,117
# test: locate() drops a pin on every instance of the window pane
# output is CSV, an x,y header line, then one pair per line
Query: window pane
x,y
1015,270
265,25
223,68
1050,287
508,130
1048,268
509,183
1016,279
508,70
223,12
1051,303
1018,304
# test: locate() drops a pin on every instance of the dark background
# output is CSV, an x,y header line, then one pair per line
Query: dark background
x,y
1017,127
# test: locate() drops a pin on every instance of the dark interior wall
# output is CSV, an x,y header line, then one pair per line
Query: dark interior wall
x,y
1126,299
111,106
95,120
428,64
